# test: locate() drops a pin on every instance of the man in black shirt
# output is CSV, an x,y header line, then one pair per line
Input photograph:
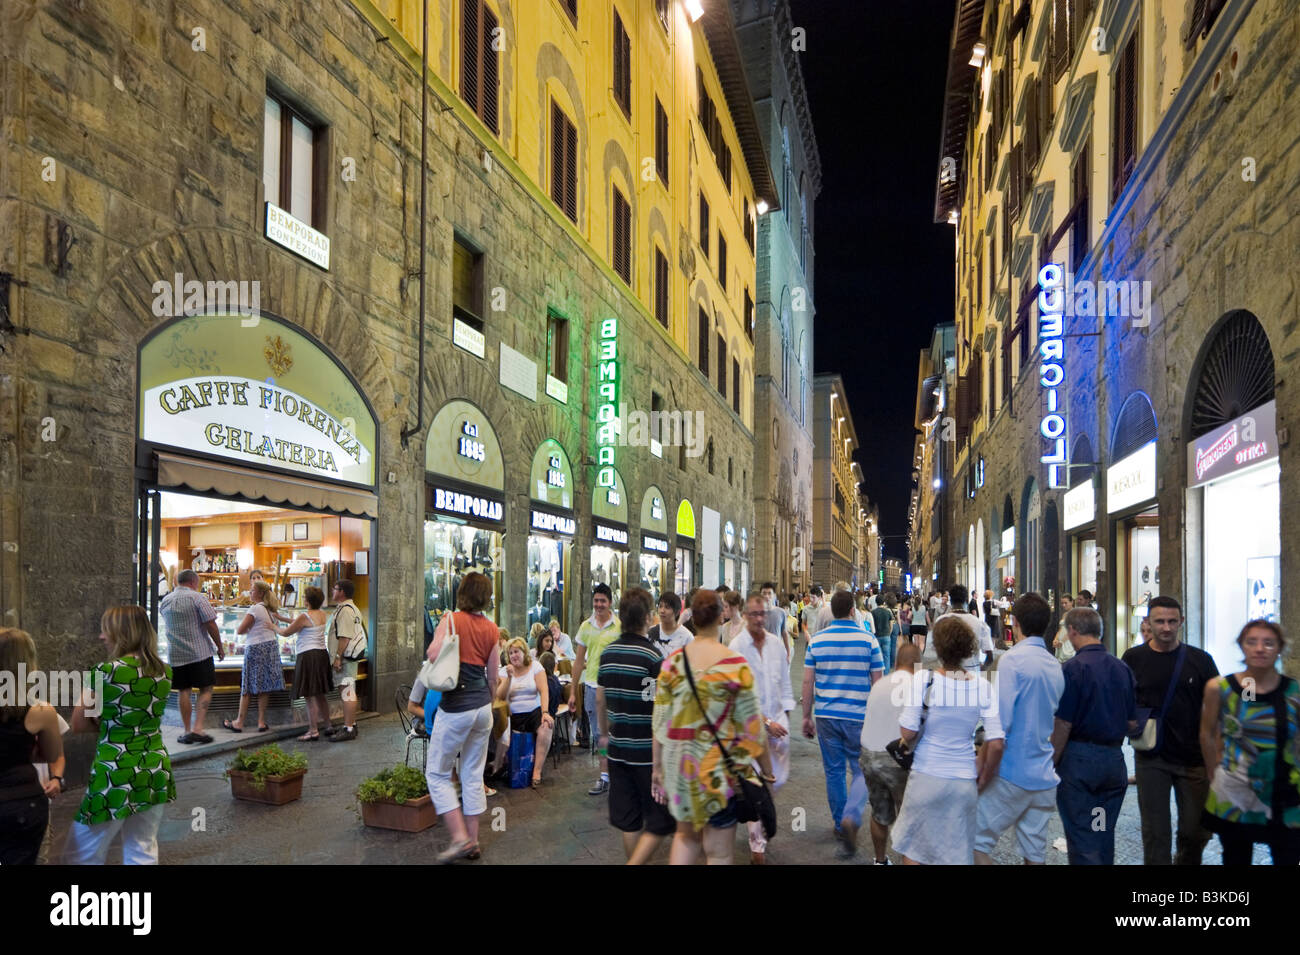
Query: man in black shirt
x,y
1176,759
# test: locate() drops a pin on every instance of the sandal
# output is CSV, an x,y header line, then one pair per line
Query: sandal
x,y
227,724
264,729
537,782
309,738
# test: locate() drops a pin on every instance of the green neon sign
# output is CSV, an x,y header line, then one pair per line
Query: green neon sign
x,y
606,402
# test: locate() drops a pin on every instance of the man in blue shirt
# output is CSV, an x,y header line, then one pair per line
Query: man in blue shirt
x,y
1097,710
1029,685
841,663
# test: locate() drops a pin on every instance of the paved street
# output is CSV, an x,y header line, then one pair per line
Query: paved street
x,y
559,824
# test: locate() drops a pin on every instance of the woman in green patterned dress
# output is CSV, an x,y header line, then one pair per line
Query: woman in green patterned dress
x,y
1250,740
131,777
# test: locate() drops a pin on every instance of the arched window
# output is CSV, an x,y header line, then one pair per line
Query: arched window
x,y
1135,427
1237,374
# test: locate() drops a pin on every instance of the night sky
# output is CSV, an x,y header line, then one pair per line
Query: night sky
x,y
875,72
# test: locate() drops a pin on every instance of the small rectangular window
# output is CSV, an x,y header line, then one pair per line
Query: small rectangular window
x,y
622,236
735,386
749,225
1079,241
479,61
1124,118
749,315
571,8
661,8
704,224
661,287
467,284
557,346
293,155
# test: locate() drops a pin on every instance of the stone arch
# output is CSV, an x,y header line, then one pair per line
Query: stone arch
x,y
658,226
289,288
552,65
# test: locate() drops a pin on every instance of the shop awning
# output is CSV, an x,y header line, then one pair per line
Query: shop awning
x,y
228,479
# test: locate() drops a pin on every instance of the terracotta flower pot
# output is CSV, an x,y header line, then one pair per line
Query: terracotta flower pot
x,y
278,790
415,815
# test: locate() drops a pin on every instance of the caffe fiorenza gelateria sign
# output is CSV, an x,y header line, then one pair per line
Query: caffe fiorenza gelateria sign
x,y
266,396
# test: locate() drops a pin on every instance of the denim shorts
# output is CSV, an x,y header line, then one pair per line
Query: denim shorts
x,y
725,818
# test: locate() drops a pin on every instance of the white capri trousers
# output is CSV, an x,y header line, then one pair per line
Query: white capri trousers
x,y
88,844
465,734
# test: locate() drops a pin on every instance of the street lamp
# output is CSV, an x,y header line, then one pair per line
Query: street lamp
x,y
694,9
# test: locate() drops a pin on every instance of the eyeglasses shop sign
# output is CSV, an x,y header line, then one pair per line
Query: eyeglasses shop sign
x,y
1250,439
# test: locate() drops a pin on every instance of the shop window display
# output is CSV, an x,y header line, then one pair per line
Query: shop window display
x,y
682,578
608,566
652,575
545,581
450,552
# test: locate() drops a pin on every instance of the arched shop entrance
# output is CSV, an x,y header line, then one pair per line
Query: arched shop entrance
x,y
256,452
1135,517
684,572
609,539
464,507
1233,480
655,547
1079,522
552,527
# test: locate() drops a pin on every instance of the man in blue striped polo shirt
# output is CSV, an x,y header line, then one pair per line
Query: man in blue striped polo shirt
x,y
841,663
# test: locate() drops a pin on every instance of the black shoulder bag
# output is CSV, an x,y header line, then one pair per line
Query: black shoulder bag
x,y
900,751
753,799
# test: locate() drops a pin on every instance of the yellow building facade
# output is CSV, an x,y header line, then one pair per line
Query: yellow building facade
x,y
653,123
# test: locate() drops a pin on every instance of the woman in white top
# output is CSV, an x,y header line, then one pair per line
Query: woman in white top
x,y
313,675
523,684
937,824
262,674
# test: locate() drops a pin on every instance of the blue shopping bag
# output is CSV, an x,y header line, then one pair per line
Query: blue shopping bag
x,y
522,746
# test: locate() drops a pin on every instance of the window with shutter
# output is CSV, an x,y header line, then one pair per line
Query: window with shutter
x,y
977,384
704,224
1079,176
571,8
735,386
622,237
1031,124
1124,122
1060,47
661,287
1080,14
722,366
661,8
489,81
1015,183
469,53
722,261
661,142
749,315
564,162
1046,97
622,66
962,418
749,225
702,339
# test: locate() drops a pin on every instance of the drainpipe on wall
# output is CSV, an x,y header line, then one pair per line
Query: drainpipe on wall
x,y
424,146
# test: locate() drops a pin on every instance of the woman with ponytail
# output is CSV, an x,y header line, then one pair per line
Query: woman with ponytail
x,y
131,776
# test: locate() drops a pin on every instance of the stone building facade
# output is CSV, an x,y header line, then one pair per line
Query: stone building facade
x,y
926,520
783,338
137,135
1140,152
837,512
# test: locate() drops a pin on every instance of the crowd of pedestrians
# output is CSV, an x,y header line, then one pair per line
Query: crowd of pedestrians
x,y
946,721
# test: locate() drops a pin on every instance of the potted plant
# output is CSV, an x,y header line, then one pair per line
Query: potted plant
x,y
397,798
267,774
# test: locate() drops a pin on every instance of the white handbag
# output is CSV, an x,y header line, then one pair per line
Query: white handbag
x,y
443,674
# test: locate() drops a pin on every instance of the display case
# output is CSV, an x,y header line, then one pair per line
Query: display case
x,y
228,619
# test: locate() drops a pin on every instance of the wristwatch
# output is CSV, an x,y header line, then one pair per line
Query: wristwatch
x,y
63,787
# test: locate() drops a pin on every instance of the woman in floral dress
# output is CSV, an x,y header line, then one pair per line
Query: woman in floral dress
x,y
131,777
689,774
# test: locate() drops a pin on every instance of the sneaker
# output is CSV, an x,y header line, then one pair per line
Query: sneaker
x,y
329,731
343,735
186,738
882,862
602,786
848,847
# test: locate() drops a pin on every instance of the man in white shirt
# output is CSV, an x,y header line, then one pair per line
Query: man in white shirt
x,y
885,780
983,636
766,657
669,635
